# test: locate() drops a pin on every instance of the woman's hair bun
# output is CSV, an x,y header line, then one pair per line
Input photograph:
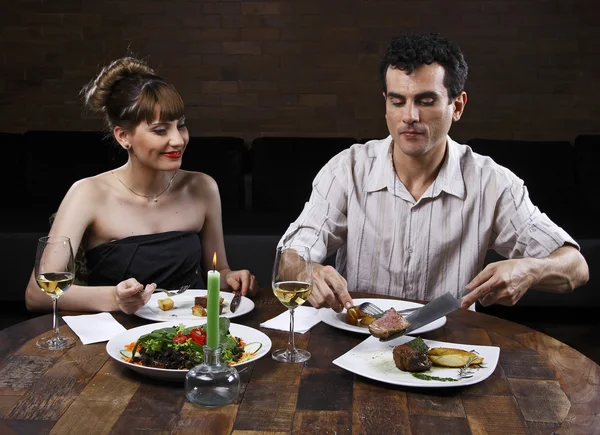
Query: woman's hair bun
x,y
97,92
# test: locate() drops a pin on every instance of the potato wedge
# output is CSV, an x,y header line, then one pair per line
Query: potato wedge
x,y
198,310
165,304
352,316
366,320
449,357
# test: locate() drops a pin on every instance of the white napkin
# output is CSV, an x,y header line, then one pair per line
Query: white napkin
x,y
94,328
304,319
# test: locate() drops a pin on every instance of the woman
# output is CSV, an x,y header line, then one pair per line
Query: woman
x,y
146,223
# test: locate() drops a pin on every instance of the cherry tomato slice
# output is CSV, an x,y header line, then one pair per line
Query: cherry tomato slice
x,y
180,338
198,336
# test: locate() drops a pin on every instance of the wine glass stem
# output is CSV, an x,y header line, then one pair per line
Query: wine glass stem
x,y
55,318
291,343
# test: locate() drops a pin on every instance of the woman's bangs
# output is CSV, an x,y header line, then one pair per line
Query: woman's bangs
x,y
161,101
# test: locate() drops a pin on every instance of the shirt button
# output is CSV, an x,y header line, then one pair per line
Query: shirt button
x,y
532,229
410,249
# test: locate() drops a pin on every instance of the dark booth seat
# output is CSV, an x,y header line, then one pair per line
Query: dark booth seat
x,y
587,164
11,176
51,162
284,169
222,158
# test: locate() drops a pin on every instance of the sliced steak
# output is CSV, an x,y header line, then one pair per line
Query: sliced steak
x,y
409,359
389,323
203,301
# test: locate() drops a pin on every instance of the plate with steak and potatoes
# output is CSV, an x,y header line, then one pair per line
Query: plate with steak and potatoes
x,y
415,362
353,320
190,305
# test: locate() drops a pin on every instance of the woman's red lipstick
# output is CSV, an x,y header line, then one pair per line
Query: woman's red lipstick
x,y
173,155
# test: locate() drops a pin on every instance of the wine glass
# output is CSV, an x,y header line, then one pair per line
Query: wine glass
x,y
54,274
292,285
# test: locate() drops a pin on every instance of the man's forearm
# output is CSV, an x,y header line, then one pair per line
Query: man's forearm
x,y
562,271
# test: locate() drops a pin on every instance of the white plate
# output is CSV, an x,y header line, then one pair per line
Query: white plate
x,y
337,319
182,311
373,359
118,343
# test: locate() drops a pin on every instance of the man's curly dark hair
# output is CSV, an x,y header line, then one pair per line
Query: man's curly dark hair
x,y
410,51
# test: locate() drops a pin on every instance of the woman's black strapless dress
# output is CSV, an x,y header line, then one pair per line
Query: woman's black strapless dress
x,y
170,259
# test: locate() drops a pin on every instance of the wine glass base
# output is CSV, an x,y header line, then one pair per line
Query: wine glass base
x,y
297,356
55,343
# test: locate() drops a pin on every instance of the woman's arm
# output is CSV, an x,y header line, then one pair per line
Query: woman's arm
x,y
72,219
75,214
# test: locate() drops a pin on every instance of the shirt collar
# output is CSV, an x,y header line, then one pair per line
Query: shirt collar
x,y
382,172
449,179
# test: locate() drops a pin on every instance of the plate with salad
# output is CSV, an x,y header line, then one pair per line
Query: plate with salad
x,y
168,350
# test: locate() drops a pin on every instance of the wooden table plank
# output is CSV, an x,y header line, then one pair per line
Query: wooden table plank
x,y
519,361
19,372
579,378
54,392
429,424
325,390
324,350
444,402
495,385
379,409
268,406
284,374
17,427
199,420
257,432
322,422
7,403
113,382
90,417
155,406
537,428
99,405
475,336
542,401
494,415
16,336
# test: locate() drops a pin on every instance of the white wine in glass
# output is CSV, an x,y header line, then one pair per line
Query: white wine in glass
x,y
54,274
292,285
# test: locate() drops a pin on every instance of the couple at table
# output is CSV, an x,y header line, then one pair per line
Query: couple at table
x,y
411,215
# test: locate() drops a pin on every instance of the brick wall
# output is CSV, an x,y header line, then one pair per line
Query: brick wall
x,y
304,67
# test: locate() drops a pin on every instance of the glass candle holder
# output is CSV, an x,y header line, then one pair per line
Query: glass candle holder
x,y
212,383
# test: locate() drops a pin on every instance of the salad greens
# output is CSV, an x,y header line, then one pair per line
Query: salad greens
x,y
182,347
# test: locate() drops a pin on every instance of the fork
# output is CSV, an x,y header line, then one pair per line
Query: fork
x,y
374,311
181,289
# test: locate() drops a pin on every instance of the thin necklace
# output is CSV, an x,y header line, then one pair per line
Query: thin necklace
x,y
154,197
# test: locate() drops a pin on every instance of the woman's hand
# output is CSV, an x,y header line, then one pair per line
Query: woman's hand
x,y
242,280
130,295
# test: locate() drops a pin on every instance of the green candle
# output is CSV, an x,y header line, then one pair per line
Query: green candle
x,y
212,306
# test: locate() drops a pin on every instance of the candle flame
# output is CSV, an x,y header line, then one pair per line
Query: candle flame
x,y
215,261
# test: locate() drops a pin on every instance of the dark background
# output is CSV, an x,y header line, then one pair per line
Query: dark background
x,y
303,67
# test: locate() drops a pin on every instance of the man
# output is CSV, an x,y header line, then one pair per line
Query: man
x,y
413,215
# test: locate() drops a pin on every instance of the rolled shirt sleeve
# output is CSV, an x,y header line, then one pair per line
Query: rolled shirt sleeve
x,y
523,230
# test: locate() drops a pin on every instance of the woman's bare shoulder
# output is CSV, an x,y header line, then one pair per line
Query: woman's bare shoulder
x,y
199,184
91,188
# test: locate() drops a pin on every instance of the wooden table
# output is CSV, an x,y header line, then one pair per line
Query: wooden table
x,y
540,385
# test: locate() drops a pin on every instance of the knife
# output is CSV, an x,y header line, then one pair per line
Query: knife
x,y
235,302
431,311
